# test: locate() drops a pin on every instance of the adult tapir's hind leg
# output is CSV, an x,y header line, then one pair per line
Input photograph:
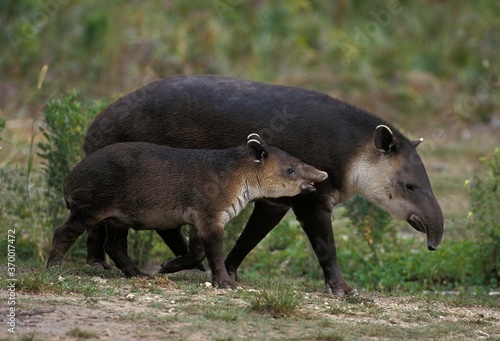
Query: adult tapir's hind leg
x,y
264,218
66,235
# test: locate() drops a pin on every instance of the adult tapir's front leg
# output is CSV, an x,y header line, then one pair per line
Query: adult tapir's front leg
x,y
264,218
315,218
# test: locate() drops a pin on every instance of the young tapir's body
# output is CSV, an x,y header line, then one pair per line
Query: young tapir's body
x,y
361,153
148,186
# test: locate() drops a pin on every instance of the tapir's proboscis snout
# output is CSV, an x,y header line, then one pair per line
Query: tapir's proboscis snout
x,y
316,176
429,220
390,173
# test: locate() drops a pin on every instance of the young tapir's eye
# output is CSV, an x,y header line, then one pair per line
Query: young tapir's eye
x,y
409,188
290,171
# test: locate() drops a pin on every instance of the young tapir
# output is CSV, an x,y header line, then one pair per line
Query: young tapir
x,y
361,153
148,186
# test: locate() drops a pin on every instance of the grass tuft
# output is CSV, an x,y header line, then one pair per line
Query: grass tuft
x,y
82,334
278,301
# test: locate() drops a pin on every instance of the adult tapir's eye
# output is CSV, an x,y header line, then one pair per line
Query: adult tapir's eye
x,y
290,171
409,188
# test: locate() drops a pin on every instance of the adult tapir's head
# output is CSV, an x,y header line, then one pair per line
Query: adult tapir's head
x,y
388,171
278,174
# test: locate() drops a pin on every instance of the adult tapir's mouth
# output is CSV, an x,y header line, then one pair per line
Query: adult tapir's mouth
x,y
307,187
418,225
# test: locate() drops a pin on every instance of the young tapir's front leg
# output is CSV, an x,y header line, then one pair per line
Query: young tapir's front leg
x,y
316,220
192,259
211,235
116,248
65,236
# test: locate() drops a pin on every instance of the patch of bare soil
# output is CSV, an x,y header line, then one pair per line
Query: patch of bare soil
x,y
129,316
54,316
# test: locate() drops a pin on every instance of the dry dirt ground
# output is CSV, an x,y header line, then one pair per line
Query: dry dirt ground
x,y
174,313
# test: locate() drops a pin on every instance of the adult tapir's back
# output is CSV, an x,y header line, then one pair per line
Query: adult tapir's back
x,y
214,112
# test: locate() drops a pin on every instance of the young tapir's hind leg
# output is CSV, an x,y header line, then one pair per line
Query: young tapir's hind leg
x,y
96,238
66,235
95,247
193,258
211,234
116,248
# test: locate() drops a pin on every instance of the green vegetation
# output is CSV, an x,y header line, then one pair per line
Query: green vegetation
x,y
276,298
65,121
485,217
81,334
431,69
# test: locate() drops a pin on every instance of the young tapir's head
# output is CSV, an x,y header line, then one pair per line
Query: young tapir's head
x,y
278,173
388,172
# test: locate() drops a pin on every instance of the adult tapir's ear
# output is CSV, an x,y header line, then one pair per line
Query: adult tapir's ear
x,y
417,142
256,147
384,139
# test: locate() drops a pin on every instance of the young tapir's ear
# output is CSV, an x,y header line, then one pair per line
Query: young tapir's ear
x,y
254,136
384,138
256,148
417,142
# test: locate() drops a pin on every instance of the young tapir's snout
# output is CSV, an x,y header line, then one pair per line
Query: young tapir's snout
x,y
389,172
148,186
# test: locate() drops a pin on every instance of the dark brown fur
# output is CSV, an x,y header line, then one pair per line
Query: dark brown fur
x,y
213,112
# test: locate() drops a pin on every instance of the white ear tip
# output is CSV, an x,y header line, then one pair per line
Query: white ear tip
x,y
384,126
253,140
421,139
253,134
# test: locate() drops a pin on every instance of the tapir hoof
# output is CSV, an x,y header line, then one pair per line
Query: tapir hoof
x,y
99,265
53,262
226,283
341,290
136,274
234,275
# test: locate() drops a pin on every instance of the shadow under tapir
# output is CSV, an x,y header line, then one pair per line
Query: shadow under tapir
x,y
361,153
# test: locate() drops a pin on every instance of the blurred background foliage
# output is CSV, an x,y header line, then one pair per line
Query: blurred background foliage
x,y
431,67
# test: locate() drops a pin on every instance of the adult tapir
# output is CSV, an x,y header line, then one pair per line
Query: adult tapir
x,y
361,153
